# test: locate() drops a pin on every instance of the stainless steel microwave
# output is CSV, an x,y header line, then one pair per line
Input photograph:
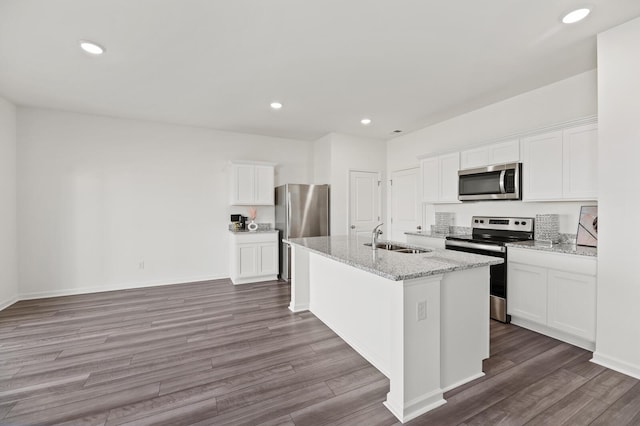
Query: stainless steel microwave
x,y
496,182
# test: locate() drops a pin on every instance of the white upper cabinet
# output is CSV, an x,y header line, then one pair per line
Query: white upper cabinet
x,y
440,178
252,184
561,165
542,167
497,153
580,163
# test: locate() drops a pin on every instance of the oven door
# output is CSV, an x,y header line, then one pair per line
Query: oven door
x,y
498,182
498,278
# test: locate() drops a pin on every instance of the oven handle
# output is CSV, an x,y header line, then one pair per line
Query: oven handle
x,y
487,247
502,188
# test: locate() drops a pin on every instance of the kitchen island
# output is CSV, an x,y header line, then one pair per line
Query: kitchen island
x,y
422,319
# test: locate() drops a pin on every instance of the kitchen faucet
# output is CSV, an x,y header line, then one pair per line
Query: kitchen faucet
x,y
374,236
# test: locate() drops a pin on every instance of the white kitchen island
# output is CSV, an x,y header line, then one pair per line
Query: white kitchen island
x,y
421,319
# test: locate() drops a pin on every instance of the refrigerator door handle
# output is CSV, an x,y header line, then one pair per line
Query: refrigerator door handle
x,y
288,214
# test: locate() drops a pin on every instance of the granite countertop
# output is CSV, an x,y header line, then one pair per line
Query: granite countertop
x,y
258,231
428,234
391,265
556,248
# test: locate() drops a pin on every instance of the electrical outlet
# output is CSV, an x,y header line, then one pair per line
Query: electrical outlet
x,y
141,265
422,310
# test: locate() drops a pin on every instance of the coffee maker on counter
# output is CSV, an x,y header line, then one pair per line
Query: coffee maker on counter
x,y
238,222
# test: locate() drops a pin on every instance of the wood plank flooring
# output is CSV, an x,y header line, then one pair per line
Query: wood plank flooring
x,y
211,353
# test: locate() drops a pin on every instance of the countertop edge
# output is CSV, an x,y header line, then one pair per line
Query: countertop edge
x,y
391,277
571,249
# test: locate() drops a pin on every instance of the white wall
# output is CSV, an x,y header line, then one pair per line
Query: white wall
x,y
345,153
618,324
322,160
8,236
98,196
566,100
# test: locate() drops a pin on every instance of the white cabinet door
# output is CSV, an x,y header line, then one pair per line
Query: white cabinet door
x,y
247,258
267,258
572,303
242,184
264,185
449,166
504,152
527,292
430,168
252,184
472,158
580,162
497,153
254,257
542,167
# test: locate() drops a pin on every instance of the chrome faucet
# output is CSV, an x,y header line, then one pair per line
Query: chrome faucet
x,y
374,236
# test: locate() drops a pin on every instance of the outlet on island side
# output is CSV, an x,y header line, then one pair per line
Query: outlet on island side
x,y
422,310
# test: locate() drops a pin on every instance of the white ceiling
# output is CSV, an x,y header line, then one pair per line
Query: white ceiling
x,y
403,63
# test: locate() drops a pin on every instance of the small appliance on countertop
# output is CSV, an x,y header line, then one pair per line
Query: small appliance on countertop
x,y
488,237
238,222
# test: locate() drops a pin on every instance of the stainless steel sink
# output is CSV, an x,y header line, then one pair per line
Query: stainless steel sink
x,y
399,248
412,250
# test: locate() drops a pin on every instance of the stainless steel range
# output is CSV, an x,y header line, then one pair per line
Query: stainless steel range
x,y
489,236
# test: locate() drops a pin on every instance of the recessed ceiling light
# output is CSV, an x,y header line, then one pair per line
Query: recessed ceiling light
x,y
91,47
576,15
276,105
366,121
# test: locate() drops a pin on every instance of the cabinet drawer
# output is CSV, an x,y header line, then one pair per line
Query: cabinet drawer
x,y
558,261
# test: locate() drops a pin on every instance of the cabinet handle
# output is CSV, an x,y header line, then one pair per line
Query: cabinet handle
x,y
419,227
353,227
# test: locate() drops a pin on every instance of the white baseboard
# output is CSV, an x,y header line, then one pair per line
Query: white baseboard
x,y
8,302
616,365
556,334
463,382
129,286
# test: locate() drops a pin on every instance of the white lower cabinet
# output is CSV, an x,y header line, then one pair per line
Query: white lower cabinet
x,y
254,257
572,303
553,294
527,292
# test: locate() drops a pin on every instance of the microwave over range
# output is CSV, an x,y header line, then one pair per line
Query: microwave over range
x,y
496,182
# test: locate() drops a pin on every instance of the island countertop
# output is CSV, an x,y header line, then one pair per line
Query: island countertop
x,y
391,265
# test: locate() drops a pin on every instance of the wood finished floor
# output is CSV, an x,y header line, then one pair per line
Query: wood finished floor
x,y
214,354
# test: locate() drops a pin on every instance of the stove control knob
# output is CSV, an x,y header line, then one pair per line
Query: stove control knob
x,y
476,221
518,223
482,221
523,222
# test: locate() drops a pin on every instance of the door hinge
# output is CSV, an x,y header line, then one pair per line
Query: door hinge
x,y
391,182
379,183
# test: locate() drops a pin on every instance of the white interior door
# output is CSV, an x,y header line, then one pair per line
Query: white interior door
x,y
405,207
364,202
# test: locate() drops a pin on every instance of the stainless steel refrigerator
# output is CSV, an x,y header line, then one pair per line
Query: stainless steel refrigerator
x,y
301,211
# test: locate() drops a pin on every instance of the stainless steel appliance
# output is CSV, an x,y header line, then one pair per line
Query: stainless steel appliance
x,y
301,211
497,182
489,236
